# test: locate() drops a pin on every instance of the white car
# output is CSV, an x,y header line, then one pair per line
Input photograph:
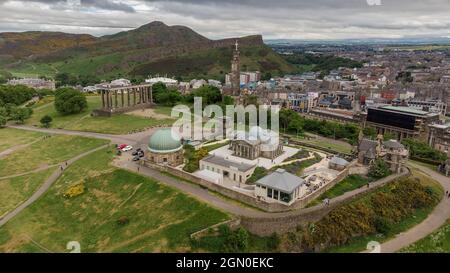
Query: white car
x,y
127,148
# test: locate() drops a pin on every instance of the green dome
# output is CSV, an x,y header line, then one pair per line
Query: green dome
x,y
162,141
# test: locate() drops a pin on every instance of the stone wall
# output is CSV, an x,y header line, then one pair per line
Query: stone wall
x,y
245,198
265,226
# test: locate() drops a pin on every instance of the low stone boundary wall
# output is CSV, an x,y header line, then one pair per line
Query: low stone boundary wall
x,y
244,198
265,226
233,224
309,145
247,199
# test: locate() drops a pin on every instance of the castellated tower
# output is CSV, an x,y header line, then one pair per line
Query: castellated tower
x,y
236,72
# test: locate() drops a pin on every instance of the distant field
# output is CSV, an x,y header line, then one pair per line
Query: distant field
x,y
13,137
328,143
47,152
159,218
14,191
117,124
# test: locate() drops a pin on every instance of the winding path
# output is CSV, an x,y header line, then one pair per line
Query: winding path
x,y
435,220
45,186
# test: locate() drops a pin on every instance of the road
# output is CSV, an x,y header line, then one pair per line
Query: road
x,y
435,220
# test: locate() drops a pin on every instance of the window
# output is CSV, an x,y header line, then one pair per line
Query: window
x,y
269,193
284,197
165,159
275,194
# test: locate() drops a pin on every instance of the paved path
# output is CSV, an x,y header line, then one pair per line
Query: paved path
x,y
234,207
435,220
44,187
30,172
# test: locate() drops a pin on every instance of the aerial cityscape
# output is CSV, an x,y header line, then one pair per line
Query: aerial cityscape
x,y
238,128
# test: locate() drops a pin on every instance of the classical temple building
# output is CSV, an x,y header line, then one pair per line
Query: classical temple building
x,y
257,143
165,149
123,99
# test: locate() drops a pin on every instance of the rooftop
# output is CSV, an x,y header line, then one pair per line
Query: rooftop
x,y
407,110
243,167
281,180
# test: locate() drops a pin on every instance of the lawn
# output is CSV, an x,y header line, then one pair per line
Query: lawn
x,y
359,244
350,183
14,191
437,242
328,143
10,137
155,218
117,124
46,152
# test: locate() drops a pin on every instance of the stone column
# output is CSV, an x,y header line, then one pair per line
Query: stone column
x,y
122,97
151,94
128,96
115,99
107,99
134,96
102,92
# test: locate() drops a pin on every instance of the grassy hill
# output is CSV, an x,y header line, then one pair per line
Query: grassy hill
x,y
154,48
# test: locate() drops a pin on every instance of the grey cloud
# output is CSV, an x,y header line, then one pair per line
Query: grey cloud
x,y
308,19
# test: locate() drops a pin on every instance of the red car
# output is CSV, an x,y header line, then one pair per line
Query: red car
x,y
121,146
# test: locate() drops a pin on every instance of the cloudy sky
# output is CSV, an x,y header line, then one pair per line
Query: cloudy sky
x,y
295,19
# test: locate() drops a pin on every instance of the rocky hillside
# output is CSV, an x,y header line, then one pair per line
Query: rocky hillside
x,y
150,49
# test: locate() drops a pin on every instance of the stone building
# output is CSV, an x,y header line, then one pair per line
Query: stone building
x,y
257,143
439,137
165,149
280,186
391,151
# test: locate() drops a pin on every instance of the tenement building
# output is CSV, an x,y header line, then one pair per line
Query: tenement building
x,y
439,137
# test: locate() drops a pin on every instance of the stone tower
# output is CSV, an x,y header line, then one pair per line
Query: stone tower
x,y
236,71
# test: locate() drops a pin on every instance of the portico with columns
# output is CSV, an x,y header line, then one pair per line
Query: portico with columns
x,y
124,99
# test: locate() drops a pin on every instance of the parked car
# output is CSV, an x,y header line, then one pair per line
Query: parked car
x,y
141,154
127,148
136,158
135,153
121,146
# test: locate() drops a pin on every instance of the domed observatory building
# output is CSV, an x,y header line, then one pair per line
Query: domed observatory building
x,y
165,148
257,143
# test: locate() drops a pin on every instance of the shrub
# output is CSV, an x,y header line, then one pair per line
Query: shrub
x,y
122,221
379,169
237,241
382,225
75,190
46,120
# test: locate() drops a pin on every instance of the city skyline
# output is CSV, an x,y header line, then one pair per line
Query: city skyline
x,y
324,19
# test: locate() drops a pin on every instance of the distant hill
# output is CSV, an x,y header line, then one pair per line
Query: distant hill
x,y
154,48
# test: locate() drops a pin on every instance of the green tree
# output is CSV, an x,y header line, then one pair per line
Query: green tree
x,y
69,101
379,169
20,114
46,120
3,121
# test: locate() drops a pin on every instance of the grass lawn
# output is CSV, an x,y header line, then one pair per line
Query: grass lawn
x,y
50,151
14,191
437,242
329,144
359,244
10,137
159,218
350,183
117,124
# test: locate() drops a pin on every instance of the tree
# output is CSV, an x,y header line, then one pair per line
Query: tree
x,y
46,120
379,169
69,101
20,114
3,121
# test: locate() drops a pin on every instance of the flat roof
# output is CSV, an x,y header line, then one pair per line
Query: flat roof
x,y
217,160
407,110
